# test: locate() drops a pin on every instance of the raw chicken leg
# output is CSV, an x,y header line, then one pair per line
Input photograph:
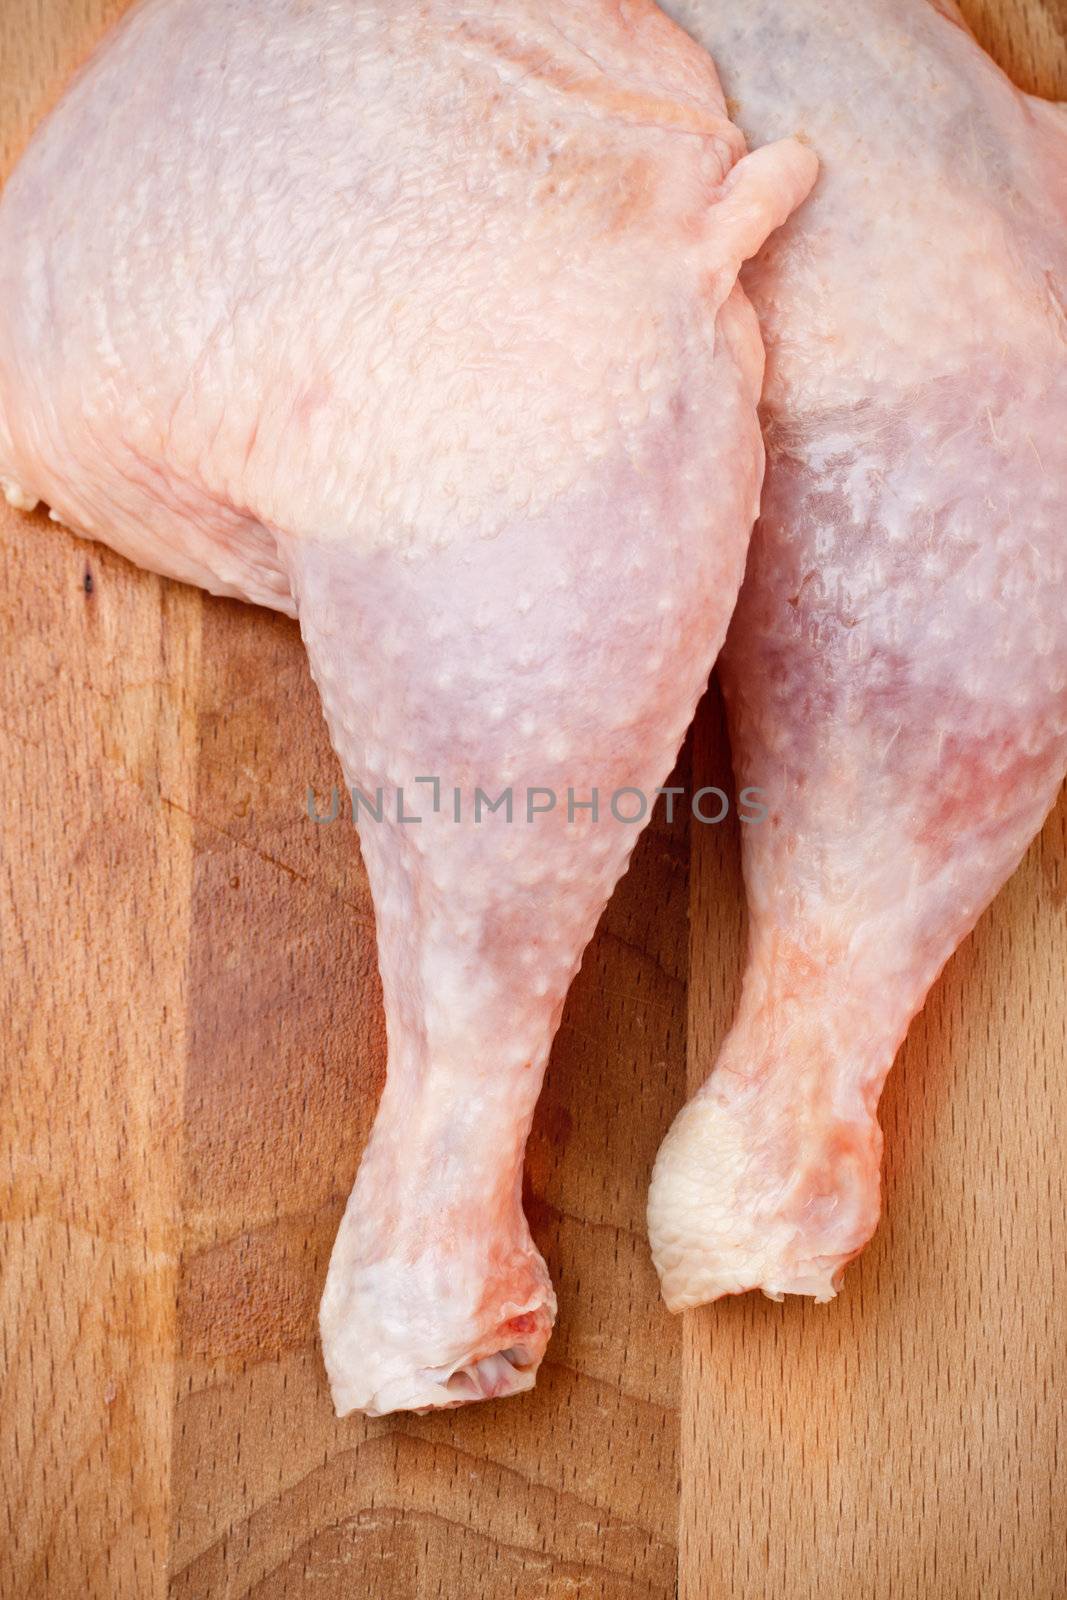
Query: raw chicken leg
x,y
419,321
896,671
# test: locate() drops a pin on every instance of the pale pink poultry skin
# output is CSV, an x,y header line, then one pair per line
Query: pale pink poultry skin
x,y
896,670
420,322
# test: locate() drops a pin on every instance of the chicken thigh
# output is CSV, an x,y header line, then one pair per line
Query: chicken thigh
x,y
896,671
420,322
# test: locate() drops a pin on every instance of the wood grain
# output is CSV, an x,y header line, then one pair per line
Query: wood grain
x,y
906,1442
1027,37
191,1002
94,705
192,1051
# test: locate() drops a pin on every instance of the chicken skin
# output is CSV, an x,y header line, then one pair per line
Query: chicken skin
x,y
896,670
420,322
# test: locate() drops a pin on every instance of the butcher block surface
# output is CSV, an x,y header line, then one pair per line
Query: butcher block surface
x,y
192,1050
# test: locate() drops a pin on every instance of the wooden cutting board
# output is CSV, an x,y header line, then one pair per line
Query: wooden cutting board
x,y
193,1047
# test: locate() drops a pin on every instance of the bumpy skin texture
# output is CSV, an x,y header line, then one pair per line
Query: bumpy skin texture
x,y
420,321
896,670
